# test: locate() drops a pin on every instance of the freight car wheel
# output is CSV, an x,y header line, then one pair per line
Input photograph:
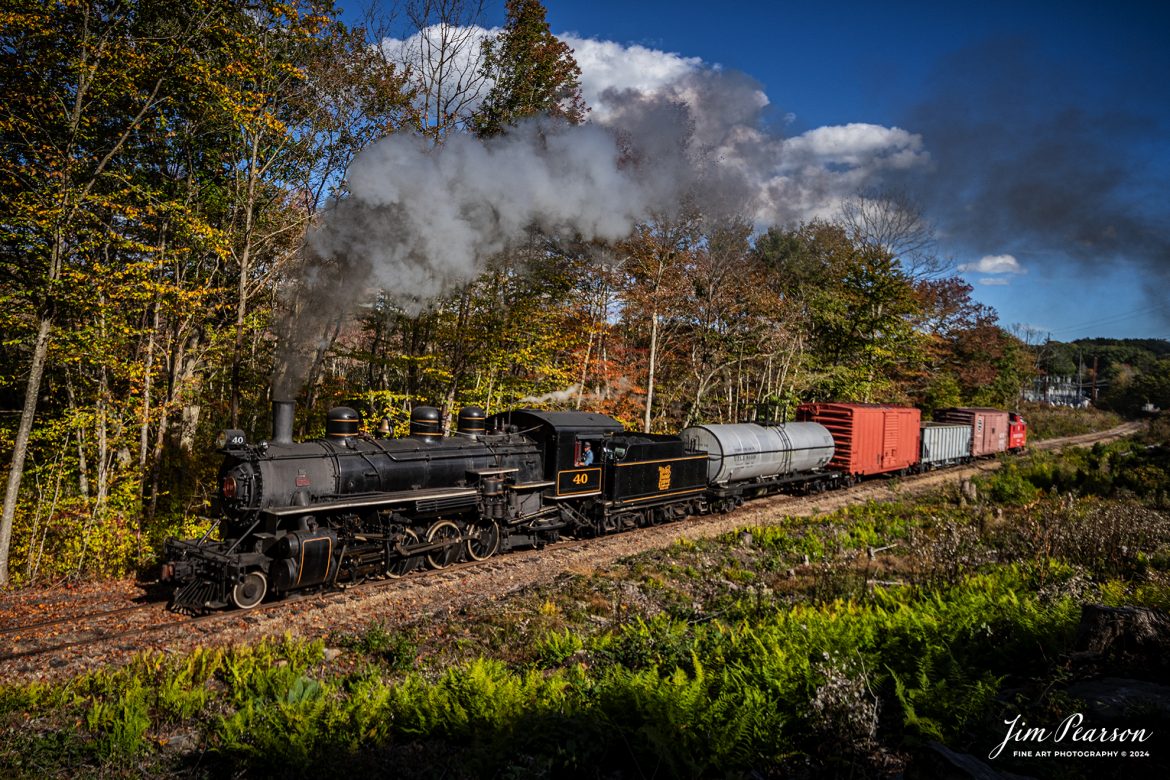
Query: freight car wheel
x,y
251,591
406,564
443,531
483,541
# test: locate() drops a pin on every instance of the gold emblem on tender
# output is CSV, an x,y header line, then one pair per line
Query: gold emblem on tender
x,y
664,477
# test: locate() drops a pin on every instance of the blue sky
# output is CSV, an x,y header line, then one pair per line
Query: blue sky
x,y
1040,130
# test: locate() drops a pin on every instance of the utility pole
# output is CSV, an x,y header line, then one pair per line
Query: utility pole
x,y
1094,380
1047,345
1080,374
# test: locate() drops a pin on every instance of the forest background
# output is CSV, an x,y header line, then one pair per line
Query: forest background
x,y
161,166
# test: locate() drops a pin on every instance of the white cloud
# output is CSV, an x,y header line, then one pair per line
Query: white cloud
x,y
995,281
446,55
858,144
606,65
786,179
994,264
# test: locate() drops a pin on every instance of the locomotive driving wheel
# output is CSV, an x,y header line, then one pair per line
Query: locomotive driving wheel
x,y
483,541
444,531
406,563
251,591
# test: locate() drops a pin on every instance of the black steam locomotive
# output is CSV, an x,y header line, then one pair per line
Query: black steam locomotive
x,y
337,510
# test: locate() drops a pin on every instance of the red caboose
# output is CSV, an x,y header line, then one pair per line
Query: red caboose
x,y
869,438
1017,433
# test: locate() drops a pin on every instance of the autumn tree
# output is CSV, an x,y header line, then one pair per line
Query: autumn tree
x,y
657,256
532,72
724,330
443,57
79,87
894,221
858,307
191,142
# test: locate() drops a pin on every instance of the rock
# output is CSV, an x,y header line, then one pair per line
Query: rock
x,y
1131,638
938,762
1118,698
183,742
968,493
332,654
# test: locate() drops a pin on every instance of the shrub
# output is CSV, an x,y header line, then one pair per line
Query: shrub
x,y
1009,486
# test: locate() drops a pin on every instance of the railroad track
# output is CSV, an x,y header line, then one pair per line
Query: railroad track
x,y
67,639
103,627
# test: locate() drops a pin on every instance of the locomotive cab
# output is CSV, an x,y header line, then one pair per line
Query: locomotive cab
x,y
562,438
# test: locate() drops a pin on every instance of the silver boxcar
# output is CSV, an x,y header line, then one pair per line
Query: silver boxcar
x,y
945,443
748,451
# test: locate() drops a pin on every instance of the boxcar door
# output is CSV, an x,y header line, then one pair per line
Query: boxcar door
x,y
890,442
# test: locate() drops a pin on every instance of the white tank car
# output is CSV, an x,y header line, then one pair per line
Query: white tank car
x,y
748,451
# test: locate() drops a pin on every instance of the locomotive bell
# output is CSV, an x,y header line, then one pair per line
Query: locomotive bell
x,y
426,423
341,423
472,421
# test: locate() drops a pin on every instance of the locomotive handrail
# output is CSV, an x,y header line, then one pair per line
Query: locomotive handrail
x,y
378,499
243,536
207,534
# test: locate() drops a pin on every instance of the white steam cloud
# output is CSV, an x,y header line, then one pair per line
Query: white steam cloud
x,y
554,397
419,220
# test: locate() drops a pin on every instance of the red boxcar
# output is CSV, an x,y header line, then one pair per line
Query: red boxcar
x,y
869,438
1017,432
989,434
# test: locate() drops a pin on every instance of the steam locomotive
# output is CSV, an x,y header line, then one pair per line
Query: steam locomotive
x,y
337,510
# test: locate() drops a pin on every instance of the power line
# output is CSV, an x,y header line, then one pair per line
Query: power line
x,y
1116,318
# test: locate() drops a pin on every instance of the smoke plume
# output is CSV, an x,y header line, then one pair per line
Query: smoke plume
x,y
1022,165
419,220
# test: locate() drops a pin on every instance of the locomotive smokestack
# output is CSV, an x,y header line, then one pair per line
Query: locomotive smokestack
x,y
283,413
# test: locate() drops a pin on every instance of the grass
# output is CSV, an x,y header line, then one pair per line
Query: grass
x,y
827,645
1052,422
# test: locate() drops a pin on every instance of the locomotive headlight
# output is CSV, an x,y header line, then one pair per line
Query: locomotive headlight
x,y
230,488
230,439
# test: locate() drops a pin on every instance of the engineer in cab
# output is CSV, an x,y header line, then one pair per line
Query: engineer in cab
x,y
586,458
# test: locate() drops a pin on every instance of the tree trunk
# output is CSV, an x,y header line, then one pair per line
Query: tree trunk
x,y
594,331
103,449
245,258
653,365
82,461
144,430
36,372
